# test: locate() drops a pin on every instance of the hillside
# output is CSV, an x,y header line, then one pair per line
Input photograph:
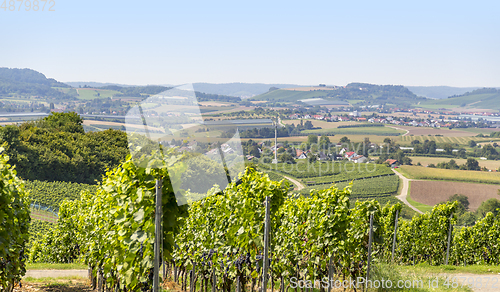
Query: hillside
x,y
358,93
439,92
238,89
27,82
485,98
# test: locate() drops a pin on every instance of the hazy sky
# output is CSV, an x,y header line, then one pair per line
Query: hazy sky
x,y
455,43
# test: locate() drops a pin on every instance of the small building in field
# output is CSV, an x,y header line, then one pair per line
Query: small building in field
x,y
392,162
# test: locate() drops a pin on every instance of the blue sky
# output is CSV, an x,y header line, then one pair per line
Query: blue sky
x,y
453,43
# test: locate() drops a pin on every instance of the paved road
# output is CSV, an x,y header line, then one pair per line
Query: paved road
x,y
404,192
297,183
55,273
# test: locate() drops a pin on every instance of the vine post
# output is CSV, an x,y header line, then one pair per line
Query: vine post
x,y
449,241
370,239
158,235
265,264
395,232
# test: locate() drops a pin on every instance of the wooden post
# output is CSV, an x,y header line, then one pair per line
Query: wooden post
x,y
370,239
213,280
330,274
449,241
265,264
193,271
395,232
158,235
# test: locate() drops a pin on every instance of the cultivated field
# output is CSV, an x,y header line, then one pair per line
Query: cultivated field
x,y
321,124
489,164
434,192
310,88
216,103
463,140
417,131
379,131
91,93
420,172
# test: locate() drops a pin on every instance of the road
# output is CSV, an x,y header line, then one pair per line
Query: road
x,y
404,192
405,134
295,182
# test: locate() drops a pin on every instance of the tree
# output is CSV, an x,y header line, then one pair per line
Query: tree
x,y
492,205
324,142
448,148
312,139
345,140
254,151
51,106
308,125
312,158
472,164
472,143
463,200
286,158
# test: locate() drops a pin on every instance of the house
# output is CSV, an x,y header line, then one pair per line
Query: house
x,y
350,154
359,159
323,156
355,114
300,154
392,162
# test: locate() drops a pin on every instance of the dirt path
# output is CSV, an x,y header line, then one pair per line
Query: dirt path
x,y
404,192
55,273
295,182
405,134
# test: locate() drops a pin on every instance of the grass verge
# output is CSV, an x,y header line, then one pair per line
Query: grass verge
x,y
45,266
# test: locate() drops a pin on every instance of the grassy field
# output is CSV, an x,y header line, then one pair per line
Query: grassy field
x,y
420,172
489,164
321,124
91,93
51,266
290,95
473,101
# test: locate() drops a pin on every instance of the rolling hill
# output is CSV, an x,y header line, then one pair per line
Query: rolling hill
x,y
485,98
238,89
354,93
439,92
27,82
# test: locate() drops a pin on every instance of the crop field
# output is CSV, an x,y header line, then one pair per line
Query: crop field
x,y
463,140
378,131
420,172
91,93
434,192
417,131
321,124
489,164
51,194
328,172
